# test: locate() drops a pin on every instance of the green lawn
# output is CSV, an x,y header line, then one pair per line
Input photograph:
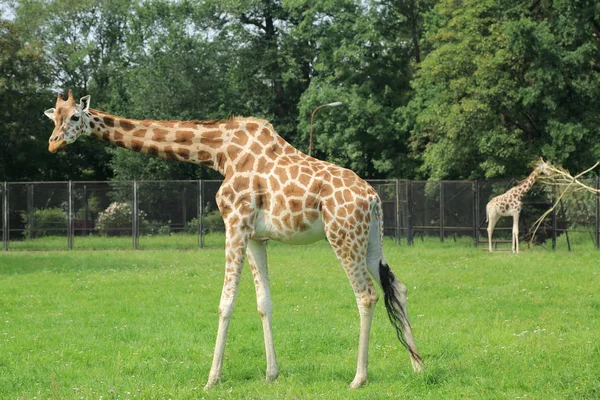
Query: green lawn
x,y
142,324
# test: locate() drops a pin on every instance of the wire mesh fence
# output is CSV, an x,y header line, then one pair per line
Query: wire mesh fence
x,y
183,214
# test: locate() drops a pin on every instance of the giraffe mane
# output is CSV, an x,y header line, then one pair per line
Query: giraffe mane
x,y
191,121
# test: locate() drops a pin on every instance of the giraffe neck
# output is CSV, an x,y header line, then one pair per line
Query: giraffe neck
x,y
526,185
238,144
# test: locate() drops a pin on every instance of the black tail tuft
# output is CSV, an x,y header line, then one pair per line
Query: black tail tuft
x,y
395,311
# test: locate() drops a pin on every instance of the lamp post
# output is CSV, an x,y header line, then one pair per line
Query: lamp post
x,y
335,104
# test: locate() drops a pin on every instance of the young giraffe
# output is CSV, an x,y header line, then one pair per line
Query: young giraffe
x,y
271,191
509,203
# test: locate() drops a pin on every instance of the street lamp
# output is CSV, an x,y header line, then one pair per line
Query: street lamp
x,y
335,104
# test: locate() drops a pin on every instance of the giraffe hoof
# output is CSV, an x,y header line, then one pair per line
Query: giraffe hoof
x,y
272,376
357,382
210,384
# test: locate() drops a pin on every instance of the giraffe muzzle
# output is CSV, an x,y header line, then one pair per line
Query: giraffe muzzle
x,y
56,143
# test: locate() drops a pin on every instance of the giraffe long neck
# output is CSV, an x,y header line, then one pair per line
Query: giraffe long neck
x,y
241,144
526,185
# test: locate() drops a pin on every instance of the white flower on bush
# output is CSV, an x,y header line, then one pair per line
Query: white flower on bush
x,y
117,215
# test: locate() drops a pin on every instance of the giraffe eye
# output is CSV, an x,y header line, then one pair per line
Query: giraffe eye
x,y
75,118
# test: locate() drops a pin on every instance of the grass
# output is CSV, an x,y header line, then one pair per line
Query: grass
x,y
142,324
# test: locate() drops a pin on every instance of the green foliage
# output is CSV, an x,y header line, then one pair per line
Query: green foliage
x,y
503,84
44,222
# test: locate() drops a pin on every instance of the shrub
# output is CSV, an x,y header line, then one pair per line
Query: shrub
x,y
116,219
48,221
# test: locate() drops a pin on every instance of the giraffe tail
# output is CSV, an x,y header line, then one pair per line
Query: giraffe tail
x,y
394,292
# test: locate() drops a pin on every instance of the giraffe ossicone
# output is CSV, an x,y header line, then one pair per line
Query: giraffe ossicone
x,y
510,204
270,191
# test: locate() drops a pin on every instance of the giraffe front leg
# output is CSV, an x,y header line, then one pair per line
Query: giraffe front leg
x,y
515,233
257,256
235,249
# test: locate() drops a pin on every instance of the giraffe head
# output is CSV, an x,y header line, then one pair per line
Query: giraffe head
x,y
69,121
541,167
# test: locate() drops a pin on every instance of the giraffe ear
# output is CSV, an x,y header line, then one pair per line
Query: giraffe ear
x,y
49,113
84,103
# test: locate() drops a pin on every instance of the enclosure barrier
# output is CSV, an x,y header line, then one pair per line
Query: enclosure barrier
x,y
181,214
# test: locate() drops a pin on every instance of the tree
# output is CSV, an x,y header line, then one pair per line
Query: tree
x,y
504,83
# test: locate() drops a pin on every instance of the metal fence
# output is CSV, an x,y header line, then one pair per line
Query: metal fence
x,y
182,214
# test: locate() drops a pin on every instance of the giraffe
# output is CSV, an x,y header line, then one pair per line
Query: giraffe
x,y
510,204
270,191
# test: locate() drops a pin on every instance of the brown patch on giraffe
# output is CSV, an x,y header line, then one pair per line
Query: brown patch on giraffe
x,y
341,212
92,125
307,171
304,179
279,205
137,145
294,170
159,135
233,152
347,194
117,135
97,119
337,182
212,139
265,136
264,165
284,162
109,121
126,125
246,163
295,205
184,138
326,190
152,150
140,133
106,136
291,189
169,153
299,223
120,143
252,128
146,123
311,202
289,149
256,148
204,155
188,124
271,152
241,183
286,219
183,153
273,184
231,125
240,138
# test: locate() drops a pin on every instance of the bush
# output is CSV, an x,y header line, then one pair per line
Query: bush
x,y
212,222
46,222
116,219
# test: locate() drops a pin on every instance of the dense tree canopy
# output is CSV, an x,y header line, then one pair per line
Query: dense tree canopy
x,y
431,88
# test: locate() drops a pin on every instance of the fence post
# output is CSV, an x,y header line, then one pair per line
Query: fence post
x,y
553,221
70,215
441,211
134,219
200,213
409,232
30,210
598,213
397,211
475,213
5,236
